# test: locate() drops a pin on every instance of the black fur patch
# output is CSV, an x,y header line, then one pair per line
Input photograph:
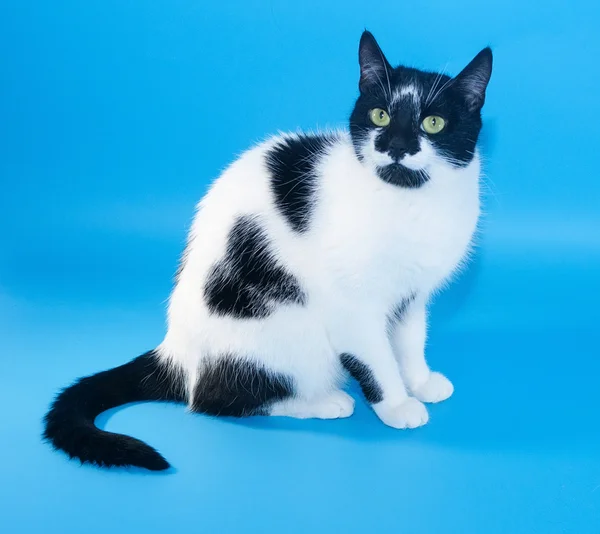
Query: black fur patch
x,y
364,376
69,424
402,176
233,387
248,281
293,179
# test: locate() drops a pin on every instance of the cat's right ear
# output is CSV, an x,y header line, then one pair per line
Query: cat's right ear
x,y
474,79
374,67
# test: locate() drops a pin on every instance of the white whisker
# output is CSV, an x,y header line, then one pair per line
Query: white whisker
x,y
435,84
439,92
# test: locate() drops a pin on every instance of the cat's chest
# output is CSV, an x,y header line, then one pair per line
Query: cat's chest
x,y
430,239
412,240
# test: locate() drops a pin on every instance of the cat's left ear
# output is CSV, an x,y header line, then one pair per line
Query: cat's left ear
x,y
474,79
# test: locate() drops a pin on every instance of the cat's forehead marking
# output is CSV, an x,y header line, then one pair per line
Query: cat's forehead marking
x,y
409,91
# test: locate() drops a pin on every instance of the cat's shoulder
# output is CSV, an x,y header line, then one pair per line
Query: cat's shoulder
x,y
283,171
293,164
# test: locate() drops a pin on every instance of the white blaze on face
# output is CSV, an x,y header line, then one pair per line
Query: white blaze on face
x,y
422,159
408,91
416,162
371,155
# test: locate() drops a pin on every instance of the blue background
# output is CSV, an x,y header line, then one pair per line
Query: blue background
x,y
114,117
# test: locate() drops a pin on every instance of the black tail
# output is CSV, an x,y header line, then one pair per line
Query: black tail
x,y
69,424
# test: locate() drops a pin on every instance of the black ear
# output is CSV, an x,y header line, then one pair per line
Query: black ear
x,y
474,78
374,68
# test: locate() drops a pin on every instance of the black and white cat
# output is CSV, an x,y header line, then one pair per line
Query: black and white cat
x,y
310,258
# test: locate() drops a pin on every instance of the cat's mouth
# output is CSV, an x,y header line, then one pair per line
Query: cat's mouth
x,y
401,175
403,166
413,162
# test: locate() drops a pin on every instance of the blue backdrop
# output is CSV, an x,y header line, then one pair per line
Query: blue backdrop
x,y
114,117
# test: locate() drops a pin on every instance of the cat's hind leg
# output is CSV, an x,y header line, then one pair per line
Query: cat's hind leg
x,y
237,387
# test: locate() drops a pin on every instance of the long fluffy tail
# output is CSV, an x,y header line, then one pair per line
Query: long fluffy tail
x,y
69,424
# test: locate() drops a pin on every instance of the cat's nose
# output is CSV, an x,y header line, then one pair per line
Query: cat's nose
x,y
401,146
398,149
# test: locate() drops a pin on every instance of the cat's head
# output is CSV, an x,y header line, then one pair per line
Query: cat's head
x,y
406,121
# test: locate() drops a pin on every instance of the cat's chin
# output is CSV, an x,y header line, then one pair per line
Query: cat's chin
x,y
401,176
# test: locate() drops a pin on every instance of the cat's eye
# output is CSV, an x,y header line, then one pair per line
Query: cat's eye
x,y
433,124
379,117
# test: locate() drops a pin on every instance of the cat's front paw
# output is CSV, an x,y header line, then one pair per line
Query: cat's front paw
x,y
410,414
437,388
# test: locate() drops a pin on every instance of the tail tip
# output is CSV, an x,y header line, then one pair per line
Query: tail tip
x,y
108,450
157,463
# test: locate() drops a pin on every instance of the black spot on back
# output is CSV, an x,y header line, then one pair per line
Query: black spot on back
x,y
293,180
248,281
364,376
234,387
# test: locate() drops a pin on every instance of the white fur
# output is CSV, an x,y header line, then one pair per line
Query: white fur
x,y
426,157
337,405
370,245
409,90
368,152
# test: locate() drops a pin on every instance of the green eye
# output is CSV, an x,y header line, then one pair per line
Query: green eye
x,y
433,124
379,117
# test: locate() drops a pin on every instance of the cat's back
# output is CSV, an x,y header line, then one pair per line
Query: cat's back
x,y
278,176
276,183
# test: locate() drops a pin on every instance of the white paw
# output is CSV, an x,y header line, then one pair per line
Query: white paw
x,y
339,404
436,389
410,414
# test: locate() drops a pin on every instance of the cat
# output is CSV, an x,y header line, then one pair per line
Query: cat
x,y
311,259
